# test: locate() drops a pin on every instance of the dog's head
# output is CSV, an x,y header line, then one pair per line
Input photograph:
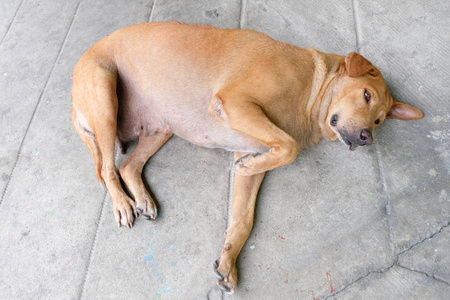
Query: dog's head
x,y
361,102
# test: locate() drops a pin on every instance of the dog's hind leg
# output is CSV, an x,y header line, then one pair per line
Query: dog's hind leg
x,y
87,136
104,111
131,171
244,199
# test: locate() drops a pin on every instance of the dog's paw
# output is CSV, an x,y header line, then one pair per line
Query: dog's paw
x,y
226,274
124,211
146,207
247,165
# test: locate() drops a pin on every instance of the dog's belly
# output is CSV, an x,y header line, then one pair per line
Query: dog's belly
x,y
207,132
189,120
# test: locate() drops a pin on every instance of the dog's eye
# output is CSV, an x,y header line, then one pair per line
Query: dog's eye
x,y
367,96
377,122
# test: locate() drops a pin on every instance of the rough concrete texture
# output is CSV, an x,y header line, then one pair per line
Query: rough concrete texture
x,y
335,224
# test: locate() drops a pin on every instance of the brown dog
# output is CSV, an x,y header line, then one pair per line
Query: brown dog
x,y
234,89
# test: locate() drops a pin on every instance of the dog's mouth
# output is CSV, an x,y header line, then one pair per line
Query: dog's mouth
x,y
354,143
346,141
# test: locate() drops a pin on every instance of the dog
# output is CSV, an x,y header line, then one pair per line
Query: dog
x,y
235,89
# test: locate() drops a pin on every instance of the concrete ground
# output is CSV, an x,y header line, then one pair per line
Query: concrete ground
x,y
335,224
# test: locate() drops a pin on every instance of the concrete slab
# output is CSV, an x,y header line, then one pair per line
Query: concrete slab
x,y
334,224
53,202
225,14
316,230
413,156
28,54
327,26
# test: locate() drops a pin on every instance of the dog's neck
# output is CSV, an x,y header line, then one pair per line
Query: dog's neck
x,y
327,69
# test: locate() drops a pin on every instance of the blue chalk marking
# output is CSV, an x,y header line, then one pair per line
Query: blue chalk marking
x,y
155,231
148,258
167,289
171,247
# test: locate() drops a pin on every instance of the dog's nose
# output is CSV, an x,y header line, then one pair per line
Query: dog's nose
x,y
365,137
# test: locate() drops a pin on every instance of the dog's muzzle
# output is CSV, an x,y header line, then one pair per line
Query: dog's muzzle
x,y
354,140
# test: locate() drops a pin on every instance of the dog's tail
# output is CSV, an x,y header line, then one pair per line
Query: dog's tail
x,y
87,136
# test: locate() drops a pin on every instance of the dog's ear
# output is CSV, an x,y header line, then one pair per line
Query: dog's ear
x,y
356,65
402,111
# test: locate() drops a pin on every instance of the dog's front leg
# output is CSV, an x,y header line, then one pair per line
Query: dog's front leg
x,y
244,198
244,115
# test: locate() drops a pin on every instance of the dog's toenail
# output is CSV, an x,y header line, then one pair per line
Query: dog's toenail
x,y
223,287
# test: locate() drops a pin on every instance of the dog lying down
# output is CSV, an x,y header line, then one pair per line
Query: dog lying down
x,y
234,89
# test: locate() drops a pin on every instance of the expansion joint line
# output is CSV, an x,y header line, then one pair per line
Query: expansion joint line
x,y
33,115
357,25
94,243
12,21
150,16
383,191
230,190
242,14
230,204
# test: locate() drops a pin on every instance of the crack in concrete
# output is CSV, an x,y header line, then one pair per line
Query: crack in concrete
x,y
432,276
396,263
425,239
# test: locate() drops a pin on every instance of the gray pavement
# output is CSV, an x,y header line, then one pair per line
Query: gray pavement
x,y
335,224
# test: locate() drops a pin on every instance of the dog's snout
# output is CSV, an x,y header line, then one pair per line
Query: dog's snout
x,y
365,137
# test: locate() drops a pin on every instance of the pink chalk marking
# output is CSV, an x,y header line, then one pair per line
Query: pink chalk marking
x,y
282,238
329,281
287,281
256,235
